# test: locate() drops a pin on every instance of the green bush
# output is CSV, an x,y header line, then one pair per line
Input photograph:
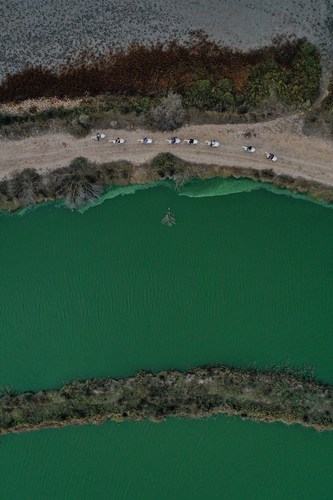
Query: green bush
x,y
305,81
79,162
266,80
298,85
165,163
211,95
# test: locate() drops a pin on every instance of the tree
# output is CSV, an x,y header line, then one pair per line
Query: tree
x,y
25,186
78,183
168,115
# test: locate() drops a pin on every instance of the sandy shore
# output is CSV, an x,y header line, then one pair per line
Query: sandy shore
x,y
298,155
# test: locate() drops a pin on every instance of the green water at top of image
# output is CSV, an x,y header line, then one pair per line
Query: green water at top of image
x,y
242,279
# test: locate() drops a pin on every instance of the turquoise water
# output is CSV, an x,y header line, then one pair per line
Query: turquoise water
x,y
242,279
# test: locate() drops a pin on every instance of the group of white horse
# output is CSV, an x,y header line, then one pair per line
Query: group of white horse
x,y
175,140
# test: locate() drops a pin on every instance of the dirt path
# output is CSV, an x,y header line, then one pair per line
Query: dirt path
x,y
298,155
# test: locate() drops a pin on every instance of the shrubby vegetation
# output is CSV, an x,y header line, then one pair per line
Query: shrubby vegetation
x,y
80,125
170,166
83,181
77,184
26,186
155,83
272,395
169,114
319,121
217,95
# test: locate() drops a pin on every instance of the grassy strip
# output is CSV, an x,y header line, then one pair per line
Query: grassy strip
x,y
272,395
83,181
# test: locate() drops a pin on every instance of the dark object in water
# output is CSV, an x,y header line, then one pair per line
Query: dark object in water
x,y
169,219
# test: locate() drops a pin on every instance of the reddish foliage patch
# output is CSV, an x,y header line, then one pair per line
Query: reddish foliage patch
x,y
142,70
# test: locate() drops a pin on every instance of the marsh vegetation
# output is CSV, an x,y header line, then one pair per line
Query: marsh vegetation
x,y
289,396
319,121
162,86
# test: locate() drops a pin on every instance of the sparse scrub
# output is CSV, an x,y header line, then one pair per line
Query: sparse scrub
x,y
115,172
319,121
183,176
26,186
80,126
168,115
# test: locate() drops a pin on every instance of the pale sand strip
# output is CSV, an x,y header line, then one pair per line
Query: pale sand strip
x,y
298,155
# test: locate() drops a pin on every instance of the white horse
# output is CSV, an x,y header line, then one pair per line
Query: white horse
x,y
174,140
270,156
213,143
145,140
98,136
191,141
249,149
117,141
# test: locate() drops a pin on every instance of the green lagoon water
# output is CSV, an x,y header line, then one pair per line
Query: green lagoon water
x,y
244,279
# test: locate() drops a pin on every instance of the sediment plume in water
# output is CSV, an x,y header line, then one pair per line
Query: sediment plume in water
x,y
268,396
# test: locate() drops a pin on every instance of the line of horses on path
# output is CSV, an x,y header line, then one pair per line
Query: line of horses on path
x,y
176,140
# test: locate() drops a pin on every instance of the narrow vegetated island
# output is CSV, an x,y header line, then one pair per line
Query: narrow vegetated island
x,y
273,395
